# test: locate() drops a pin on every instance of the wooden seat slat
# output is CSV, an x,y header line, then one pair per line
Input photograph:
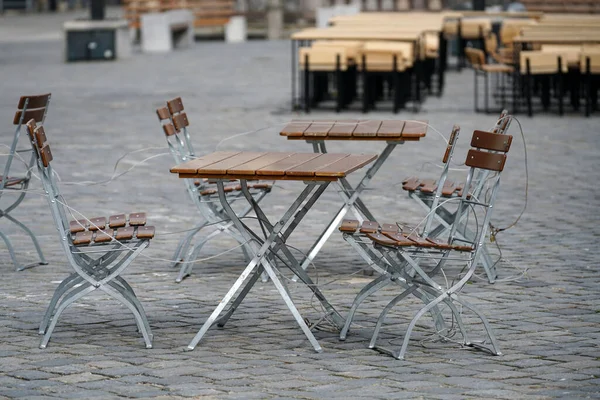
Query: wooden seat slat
x,y
103,237
389,228
83,237
411,183
295,128
222,167
278,168
391,128
137,219
367,128
125,233
321,161
319,129
78,226
191,167
414,129
345,166
265,160
349,225
145,232
398,238
383,239
448,188
369,227
117,221
97,223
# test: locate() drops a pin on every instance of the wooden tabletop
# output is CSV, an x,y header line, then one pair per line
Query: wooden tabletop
x,y
355,130
273,165
355,34
557,39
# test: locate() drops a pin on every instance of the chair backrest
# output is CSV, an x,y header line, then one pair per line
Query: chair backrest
x,y
475,57
487,153
29,107
175,123
446,160
43,156
491,43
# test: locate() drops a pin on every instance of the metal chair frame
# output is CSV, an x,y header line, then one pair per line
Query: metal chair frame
x,y
444,217
97,264
374,258
29,107
403,253
175,126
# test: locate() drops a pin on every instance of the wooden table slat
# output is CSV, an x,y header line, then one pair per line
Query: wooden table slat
x,y
221,167
343,128
278,168
346,165
192,166
366,128
415,129
318,128
308,168
391,128
296,128
263,161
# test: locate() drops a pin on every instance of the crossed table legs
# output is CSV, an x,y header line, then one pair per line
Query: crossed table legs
x,y
265,249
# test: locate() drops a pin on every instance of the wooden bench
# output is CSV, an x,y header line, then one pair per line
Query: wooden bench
x,y
563,6
206,13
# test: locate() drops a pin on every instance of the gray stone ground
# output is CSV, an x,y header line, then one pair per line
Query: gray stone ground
x,y
544,308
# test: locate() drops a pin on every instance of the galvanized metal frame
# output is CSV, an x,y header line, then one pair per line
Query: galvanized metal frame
x,y
212,212
400,264
96,266
444,217
266,248
350,196
22,188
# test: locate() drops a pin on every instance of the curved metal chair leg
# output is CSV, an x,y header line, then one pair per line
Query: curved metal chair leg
x,y
495,350
369,289
64,286
384,312
74,295
33,239
188,261
11,251
140,315
184,244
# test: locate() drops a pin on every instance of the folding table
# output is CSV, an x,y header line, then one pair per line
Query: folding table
x,y
316,171
392,132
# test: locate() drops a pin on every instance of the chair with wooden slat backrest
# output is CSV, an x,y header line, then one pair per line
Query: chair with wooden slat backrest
x,y
481,67
29,107
590,69
98,249
423,191
548,68
203,193
423,266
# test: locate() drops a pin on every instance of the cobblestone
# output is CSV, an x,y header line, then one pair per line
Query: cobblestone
x,y
544,306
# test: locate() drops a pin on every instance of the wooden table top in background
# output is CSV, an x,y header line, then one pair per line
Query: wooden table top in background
x,y
273,165
355,130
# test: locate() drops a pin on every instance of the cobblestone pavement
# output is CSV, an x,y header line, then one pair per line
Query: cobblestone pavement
x,y
544,307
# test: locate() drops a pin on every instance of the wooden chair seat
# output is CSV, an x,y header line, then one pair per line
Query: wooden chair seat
x,y
392,236
95,231
12,181
429,186
497,68
324,58
236,188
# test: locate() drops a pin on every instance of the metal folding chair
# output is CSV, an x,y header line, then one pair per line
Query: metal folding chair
x,y
355,234
423,191
99,251
203,192
422,264
29,107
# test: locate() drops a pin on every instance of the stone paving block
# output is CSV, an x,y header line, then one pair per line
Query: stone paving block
x,y
545,320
